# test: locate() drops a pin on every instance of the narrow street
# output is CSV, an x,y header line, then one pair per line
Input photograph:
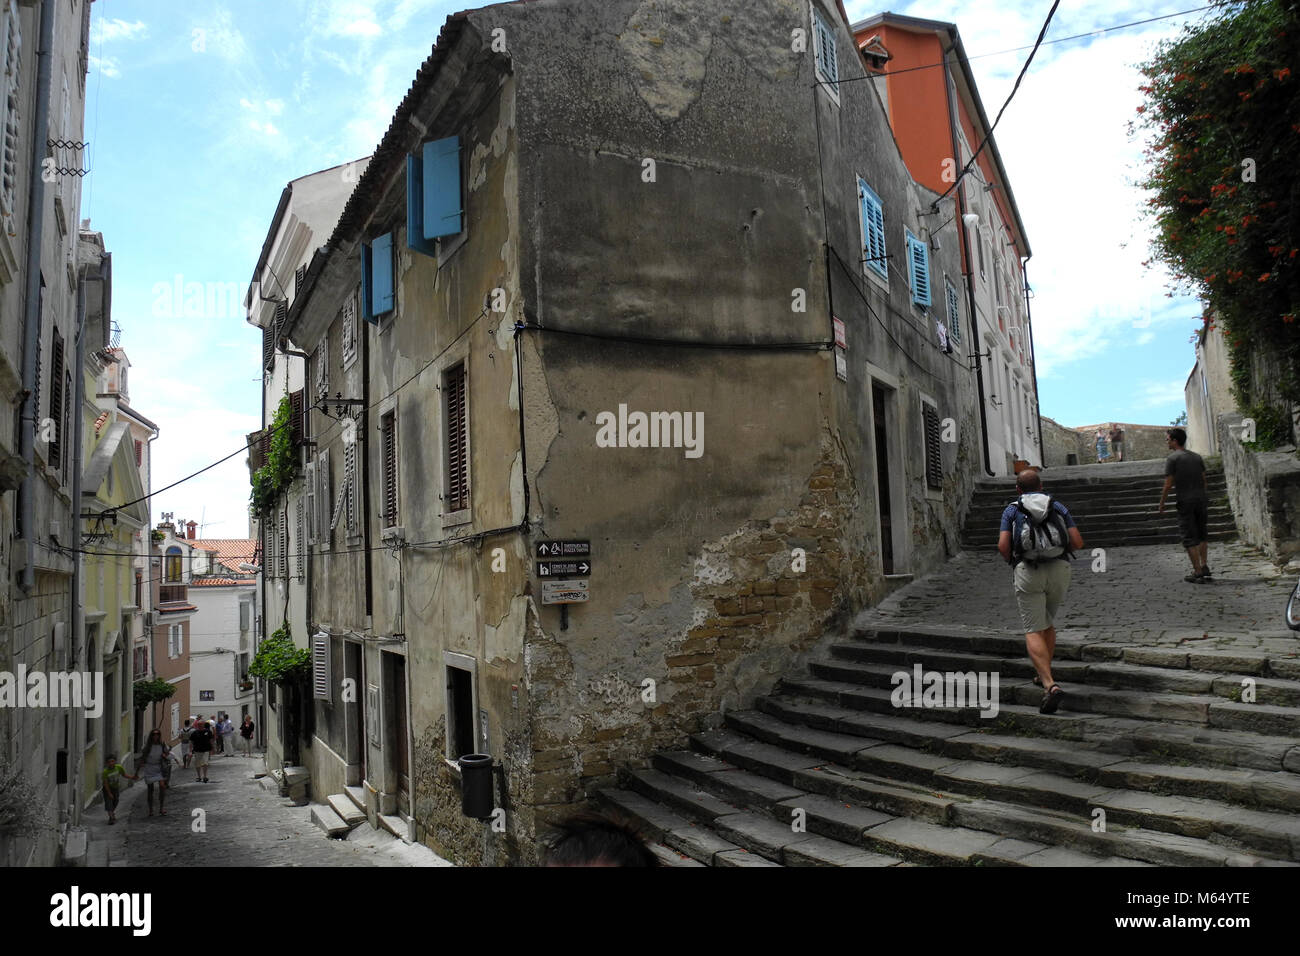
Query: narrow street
x,y
246,825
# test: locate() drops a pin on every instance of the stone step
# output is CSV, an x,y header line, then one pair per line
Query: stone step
x,y
398,826
1260,718
662,826
669,857
357,795
1258,832
341,804
1142,740
329,821
1084,762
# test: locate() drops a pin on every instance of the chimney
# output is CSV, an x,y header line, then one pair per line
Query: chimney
x,y
189,529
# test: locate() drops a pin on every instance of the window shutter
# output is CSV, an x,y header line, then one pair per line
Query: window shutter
x,y
443,210
389,441
918,258
66,444
415,208
323,369
873,229
320,666
284,547
826,58
367,303
933,448
10,126
299,277
954,312
310,495
381,273
323,500
351,486
54,450
457,442
300,544
296,433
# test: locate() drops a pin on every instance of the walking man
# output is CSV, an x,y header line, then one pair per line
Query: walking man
x,y
1117,442
187,752
201,739
227,736
1038,537
1185,472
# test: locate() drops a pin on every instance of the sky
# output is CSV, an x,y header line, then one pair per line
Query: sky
x,y
199,113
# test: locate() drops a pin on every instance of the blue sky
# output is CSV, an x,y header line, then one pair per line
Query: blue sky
x,y
199,113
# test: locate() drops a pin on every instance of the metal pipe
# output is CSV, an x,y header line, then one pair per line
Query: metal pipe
x,y
32,300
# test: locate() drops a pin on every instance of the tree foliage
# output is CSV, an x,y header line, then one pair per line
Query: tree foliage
x,y
1222,112
278,660
273,478
147,692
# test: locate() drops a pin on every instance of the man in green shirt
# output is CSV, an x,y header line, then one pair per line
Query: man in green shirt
x,y
111,782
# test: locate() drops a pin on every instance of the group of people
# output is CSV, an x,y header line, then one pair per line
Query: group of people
x,y
1110,444
199,740
1038,537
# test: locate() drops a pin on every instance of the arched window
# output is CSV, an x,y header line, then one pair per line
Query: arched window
x,y
172,571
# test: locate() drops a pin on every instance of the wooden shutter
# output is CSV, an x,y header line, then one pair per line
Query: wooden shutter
x,y
954,312
933,448
415,207
284,546
54,450
873,229
300,546
320,666
457,441
324,537
268,346
310,495
826,57
299,277
296,433
66,444
443,209
388,427
918,258
351,486
381,273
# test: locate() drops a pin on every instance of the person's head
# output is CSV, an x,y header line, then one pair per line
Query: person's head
x,y
110,760
1177,437
155,735
1028,482
188,722
591,839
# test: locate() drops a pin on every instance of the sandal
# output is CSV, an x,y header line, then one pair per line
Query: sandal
x,y
1051,700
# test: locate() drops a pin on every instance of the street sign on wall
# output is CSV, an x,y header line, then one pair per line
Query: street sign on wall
x,y
563,549
561,569
565,592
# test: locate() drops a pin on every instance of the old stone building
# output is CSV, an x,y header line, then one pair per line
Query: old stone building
x,y
699,321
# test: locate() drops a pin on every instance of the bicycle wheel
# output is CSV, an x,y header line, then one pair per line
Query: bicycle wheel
x,y
1293,609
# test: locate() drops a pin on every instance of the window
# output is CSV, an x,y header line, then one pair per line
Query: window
x,y
377,278
176,706
309,493
873,230
933,448
352,489
10,99
325,486
207,695
348,332
245,615
139,454
54,451
954,311
998,281
301,551
388,441
918,270
462,728
455,416
320,666
141,665
434,200
828,68
139,587
172,570
175,641
322,364
284,546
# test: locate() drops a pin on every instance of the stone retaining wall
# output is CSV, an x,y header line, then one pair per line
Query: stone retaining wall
x,y
1264,488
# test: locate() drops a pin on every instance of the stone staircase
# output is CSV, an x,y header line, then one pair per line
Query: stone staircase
x,y
826,771
341,813
1112,504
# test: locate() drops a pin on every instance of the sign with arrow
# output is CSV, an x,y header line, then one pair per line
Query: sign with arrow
x,y
565,592
563,549
560,569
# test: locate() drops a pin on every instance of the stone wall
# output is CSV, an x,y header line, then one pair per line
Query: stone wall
x,y
1264,488
1059,443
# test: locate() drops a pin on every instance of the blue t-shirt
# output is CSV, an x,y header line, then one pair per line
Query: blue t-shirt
x,y
1009,516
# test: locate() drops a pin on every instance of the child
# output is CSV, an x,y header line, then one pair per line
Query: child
x,y
112,785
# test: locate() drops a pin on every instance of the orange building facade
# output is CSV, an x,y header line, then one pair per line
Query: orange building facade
x,y
938,122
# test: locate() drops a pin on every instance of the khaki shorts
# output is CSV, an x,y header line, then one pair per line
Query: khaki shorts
x,y
201,758
1040,591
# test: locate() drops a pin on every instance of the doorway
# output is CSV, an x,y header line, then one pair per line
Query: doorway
x,y
884,491
355,716
395,708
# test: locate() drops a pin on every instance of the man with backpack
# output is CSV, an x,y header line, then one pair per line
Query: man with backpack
x,y
1038,537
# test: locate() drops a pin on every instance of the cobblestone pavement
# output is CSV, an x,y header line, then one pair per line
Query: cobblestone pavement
x,y
245,826
1140,598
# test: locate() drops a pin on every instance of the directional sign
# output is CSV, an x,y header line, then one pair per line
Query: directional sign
x,y
560,569
565,592
563,549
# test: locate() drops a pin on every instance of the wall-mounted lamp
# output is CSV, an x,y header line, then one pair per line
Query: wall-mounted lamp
x,y
971,220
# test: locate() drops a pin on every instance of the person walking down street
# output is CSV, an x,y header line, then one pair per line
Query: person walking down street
x,y
187,752
155,768
202,741
1038,537
1102,453
246,732
217,736
228,737
111,783
1116,442
1185,472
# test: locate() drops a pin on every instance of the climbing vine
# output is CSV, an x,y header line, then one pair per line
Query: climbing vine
x,y
273,478
1222,110
279,661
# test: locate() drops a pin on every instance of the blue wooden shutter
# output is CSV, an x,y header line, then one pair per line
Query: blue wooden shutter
x,y
381,273
873,229
415,208
826,57
918,261
443,211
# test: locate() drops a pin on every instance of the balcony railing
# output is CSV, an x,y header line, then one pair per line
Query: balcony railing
x,y
172,593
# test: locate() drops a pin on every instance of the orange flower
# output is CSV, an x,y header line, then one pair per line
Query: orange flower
x,y
1265,277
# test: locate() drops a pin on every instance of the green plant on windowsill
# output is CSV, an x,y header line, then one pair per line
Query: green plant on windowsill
x,y
273,478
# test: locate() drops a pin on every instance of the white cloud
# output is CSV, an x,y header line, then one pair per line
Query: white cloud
x,y
106,66
1148,394
273,107
268,127
108,29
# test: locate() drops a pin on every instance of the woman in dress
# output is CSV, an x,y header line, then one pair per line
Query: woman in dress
x,y
1101,446
154,767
